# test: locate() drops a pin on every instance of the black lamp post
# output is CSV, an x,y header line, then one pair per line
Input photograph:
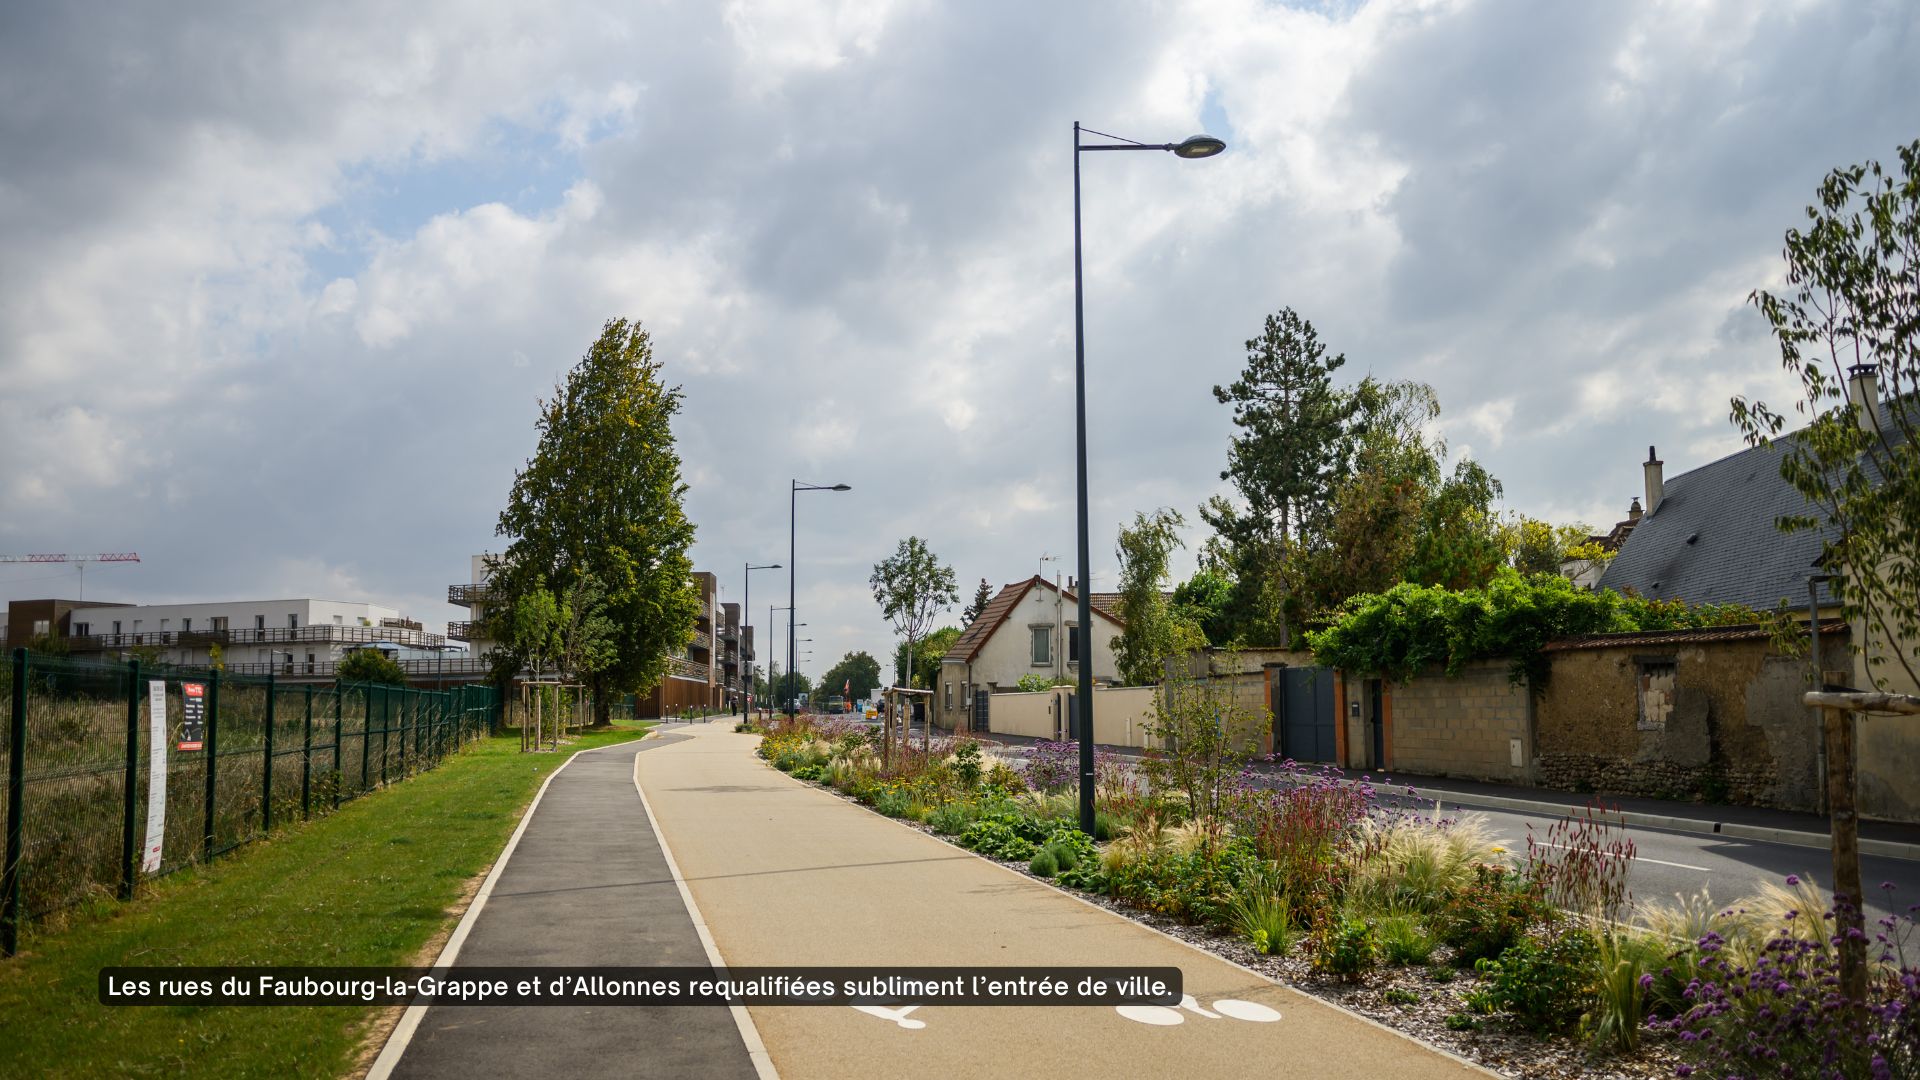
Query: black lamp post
x,y
746,612
1197,146
793,504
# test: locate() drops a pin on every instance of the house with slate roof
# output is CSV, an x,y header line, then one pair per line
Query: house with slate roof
x,y
1031,627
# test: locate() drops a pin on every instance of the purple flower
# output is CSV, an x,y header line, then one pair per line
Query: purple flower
x,y
1792,880
1646,982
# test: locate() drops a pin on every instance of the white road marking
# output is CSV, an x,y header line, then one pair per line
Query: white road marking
x,y
898,1016
1635,858
1248,1010
1230,1008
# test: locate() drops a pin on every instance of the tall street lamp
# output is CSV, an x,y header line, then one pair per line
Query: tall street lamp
x,y
746,612
793,502
771,690
1197,146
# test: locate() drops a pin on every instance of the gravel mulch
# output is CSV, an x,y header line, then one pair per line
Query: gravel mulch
x,y
1493,1042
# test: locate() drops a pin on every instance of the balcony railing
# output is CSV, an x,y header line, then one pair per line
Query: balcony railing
x,y
701,640
467,595
461,630
449,666
686,668
730,632
279,635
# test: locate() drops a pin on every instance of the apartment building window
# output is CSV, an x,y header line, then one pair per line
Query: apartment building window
x,y
259,622
116,625
339,620
219,623
1073,645
309,663
81,629
136,625
42,626
186,625
165,623
1042,644
949,704
293,622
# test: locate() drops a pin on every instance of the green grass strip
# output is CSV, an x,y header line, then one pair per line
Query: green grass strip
x,y
370,885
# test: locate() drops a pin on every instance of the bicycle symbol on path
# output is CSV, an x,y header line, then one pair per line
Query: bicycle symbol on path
x,y
1153,1015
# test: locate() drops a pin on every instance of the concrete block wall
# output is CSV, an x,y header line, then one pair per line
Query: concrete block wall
x,y
1441,726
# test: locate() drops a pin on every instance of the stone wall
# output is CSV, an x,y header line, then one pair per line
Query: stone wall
x,y
1465,726
1732,730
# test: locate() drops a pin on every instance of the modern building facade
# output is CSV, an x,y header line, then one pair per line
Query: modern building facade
x,y
297,636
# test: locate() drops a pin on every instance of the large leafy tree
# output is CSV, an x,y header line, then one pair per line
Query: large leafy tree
x,y
1292,446
926,656
855,675
602,498
912,587
1153,629
1853,301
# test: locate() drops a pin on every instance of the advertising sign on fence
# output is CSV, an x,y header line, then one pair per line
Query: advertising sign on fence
x,y
156,774
193,715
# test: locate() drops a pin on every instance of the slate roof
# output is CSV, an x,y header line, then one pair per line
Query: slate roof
x,y
969,643
1713,538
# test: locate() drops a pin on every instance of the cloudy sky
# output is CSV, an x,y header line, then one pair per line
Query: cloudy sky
x,y
283,283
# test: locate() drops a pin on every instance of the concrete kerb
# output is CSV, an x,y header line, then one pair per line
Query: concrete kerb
x,y
1069,894
403,1032
749,1034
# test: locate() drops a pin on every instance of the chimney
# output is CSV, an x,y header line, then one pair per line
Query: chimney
x,y
1863,393
1656,482
1633,511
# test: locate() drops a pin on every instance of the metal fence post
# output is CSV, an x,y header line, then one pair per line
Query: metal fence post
x,y
339,778
213,757
406,736
16,799
266,775
386,721
128,806
366,732
306,760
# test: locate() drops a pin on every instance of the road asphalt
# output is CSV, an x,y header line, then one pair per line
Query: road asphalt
x,y
786,874
586,885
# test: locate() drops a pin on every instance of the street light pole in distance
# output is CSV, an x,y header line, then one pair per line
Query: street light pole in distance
x,y
793,503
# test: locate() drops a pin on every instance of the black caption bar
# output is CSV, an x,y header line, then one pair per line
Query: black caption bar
x,y
641,986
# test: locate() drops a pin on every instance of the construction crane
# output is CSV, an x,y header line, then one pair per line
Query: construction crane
x,y
80,563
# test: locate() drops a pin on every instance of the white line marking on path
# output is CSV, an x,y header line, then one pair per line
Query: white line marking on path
x,y
1230,1008
898,1016
1636,858
750,1035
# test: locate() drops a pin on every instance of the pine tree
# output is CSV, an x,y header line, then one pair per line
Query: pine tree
x,y
982,596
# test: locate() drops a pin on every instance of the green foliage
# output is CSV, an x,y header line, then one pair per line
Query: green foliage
x,y
1071,847
967,765
1538,547
1853,295
1264,920
602,499
1621,996
1004,832
1204,600
1546,983
858,670
1396,996
1152,630
1345,947
1487,917
951,818
1044,864
1411,627
1036,684
1208,735
370,666
1459,543
912,586
1460,1022
1291,446
927,652
1404,942
982,596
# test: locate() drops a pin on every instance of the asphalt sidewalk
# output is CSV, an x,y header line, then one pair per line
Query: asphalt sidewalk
x,y
587,884
787,874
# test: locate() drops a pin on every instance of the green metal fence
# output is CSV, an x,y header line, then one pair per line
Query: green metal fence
x,y
77,753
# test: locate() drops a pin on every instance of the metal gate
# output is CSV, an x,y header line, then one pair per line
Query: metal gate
x,y
980,714
1304,706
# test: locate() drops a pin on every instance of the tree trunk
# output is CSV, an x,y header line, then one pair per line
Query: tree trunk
x,y
1850,914
602,704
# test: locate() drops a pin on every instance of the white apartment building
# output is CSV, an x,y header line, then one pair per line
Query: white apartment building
x,y
286,635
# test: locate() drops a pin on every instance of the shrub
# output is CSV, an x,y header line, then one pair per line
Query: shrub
x,y
1264,920
1004,779
949,819
1547,984
1044,864
1003,833
1053,765
1460,1022
1305,829
1396,996
1404,942
1620,1009
1071,847
1491,915
1416,864
966,765
1345,947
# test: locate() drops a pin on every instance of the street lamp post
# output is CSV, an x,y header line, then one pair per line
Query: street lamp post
x,y
793,504
770,629
746,612
1197,146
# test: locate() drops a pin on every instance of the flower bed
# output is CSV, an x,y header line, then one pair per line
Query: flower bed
x,y
1532,964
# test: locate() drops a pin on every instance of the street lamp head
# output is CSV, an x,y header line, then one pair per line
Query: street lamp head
x,y
1198,146
841,487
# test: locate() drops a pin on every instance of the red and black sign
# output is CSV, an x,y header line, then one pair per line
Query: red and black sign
x,y
193,715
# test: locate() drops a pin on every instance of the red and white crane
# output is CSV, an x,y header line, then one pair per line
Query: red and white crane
x,y
80,563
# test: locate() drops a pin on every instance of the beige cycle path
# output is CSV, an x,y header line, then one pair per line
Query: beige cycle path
x,y
787,874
